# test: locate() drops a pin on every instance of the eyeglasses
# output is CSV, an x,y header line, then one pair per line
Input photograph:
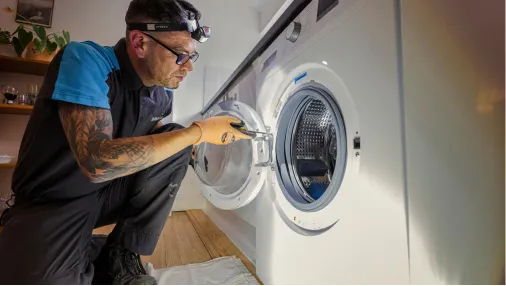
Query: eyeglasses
x,y
181,58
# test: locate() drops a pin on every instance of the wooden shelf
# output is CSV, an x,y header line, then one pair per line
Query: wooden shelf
x,y
8,165
15,109
20,65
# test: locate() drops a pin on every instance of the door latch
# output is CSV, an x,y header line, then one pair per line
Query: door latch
x,y
268,140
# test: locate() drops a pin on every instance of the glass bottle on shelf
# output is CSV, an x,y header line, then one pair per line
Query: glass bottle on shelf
x,y
24,99
32,90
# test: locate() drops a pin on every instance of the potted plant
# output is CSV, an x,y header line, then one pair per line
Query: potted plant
x,y
35,40
6,48
45,46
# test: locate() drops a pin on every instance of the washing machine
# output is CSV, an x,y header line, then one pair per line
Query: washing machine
x,y
326,170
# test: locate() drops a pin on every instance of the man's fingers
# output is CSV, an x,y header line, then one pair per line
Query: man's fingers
x,y
232,119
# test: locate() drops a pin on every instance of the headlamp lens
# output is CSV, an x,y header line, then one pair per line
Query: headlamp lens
x,y
202,34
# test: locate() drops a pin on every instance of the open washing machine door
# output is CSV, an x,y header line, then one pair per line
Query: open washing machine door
x,y
232,175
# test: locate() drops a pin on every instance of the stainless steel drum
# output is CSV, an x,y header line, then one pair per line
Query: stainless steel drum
x,y
310,148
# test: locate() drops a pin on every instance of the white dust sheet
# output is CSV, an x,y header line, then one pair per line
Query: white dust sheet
x,y
219,271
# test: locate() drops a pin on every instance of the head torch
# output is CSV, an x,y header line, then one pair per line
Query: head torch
x,y
191,24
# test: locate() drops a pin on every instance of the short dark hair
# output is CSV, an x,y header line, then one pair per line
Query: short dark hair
x,y
159,11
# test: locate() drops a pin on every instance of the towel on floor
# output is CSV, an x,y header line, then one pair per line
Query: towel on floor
x,y
223,271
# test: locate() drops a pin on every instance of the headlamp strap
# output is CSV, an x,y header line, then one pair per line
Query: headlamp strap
x,y
157,27
191,25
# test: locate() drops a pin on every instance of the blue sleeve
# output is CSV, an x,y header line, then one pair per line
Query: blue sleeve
x,y
83,73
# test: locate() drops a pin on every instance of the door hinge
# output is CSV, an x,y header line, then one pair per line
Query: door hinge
x,y
268,140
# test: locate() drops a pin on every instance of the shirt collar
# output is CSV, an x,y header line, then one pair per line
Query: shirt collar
x,y
130,77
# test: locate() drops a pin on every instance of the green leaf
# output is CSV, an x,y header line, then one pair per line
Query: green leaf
x,y
25,38
60,41
17,46
66,35
5,37
40,31
51,47
40,45
18,28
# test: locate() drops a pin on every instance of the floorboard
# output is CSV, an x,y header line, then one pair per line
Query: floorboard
x,y
184,245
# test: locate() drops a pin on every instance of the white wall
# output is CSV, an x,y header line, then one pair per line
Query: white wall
x,y
75,16
234,33
453,53
270,10
214,77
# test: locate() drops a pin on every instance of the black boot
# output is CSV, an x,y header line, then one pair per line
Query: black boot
x,y
118,266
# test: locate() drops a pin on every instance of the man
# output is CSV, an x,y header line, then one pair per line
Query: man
x,y
95,153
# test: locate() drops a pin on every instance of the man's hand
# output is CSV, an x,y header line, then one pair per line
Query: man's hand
x,y
217,130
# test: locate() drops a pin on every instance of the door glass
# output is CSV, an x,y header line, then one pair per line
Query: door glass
x,y
230,172
224,168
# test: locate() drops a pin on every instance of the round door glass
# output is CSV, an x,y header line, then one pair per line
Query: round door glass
x,y
311,148
232,175
225,168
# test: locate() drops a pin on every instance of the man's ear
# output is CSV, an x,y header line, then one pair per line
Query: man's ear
x,y
138,43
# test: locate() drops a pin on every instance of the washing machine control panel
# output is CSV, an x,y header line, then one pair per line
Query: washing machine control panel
x,y
307,28
285,46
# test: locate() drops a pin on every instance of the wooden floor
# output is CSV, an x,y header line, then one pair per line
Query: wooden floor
x,y
190,237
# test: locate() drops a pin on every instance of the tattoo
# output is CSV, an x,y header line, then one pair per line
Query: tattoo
x,y
89,133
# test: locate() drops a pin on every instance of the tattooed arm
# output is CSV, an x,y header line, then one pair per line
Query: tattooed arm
x,y
101,158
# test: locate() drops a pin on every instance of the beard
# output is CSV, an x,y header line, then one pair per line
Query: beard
x,y
160,77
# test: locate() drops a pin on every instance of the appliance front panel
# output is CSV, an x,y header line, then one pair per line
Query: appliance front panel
x,y
354,54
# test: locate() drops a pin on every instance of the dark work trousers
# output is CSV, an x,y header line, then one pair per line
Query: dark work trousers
x,y
49,243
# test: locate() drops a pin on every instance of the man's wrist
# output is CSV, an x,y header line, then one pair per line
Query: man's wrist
x,y
196,132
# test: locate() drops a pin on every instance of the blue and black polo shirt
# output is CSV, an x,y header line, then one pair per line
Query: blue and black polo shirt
x,y
92,75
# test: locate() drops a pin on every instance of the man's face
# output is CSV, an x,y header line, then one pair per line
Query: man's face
x,y
161,66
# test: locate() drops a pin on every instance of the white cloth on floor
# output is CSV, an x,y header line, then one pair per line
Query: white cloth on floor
x,y
219,271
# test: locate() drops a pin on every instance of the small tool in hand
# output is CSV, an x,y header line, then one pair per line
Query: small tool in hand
x,y
241,127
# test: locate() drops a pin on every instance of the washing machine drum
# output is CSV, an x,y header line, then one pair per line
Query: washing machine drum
x,y
310,149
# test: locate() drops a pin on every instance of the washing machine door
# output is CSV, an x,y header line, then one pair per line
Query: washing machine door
x,y
232,175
